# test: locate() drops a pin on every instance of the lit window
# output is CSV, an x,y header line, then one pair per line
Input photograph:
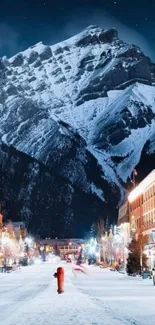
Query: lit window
x,y
138,223
154,216
149,218
151,204
144,220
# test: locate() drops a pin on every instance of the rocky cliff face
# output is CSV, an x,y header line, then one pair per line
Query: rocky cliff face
x,y
50,202
75,118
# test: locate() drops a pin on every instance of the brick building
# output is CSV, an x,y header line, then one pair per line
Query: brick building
x,y
142,205
142,212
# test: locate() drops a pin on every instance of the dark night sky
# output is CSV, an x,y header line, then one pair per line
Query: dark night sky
x,y
26,22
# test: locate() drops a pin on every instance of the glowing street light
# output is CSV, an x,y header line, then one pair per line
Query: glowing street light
x,y
28,241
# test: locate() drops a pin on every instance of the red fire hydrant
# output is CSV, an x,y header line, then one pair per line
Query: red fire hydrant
x,y
60,279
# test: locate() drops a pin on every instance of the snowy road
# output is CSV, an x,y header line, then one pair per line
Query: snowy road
x,y
17,288
29,297
128,300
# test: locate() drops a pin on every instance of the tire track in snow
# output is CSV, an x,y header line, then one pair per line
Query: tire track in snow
x,y
116,314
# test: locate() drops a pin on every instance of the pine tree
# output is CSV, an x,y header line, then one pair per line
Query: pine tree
x,y
134,258
93,230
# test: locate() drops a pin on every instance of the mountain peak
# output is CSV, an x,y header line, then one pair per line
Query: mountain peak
x,y
94,35
94,28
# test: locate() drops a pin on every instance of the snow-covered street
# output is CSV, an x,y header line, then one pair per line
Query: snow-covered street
x,y
29,297
20,287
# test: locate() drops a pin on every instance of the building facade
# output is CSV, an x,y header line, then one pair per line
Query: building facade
x,y
64,247
19,229
142,213
12,236
123,213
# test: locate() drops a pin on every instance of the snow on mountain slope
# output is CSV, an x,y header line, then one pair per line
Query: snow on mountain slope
x,y
94,82
125,126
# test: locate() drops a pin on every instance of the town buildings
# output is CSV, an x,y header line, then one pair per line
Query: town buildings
x,y
139,211
63,247
19,229
12,236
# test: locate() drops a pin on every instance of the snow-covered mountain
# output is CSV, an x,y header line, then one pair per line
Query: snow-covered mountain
x,y
83,110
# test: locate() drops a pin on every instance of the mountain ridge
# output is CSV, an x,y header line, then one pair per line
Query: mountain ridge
x,y
87,99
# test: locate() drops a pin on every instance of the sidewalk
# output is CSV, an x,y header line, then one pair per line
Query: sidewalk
x,y
49,308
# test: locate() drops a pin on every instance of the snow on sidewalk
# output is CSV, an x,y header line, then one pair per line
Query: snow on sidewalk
x,y
72,307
